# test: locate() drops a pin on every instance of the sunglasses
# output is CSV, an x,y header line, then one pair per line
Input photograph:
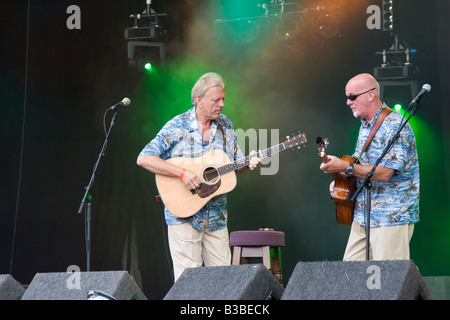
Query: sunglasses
x,y
353,97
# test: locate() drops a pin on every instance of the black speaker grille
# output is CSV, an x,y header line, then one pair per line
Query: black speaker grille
x,y
356,280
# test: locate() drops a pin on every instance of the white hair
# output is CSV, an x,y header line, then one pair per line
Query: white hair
x,y
206,81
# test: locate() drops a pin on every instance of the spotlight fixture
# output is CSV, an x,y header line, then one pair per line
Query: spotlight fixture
x,y
276,25
146,46
327,25
289,27
145,55
396,62
388,15
397,75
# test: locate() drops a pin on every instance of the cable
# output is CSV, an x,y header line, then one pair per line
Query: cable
x,y
19,184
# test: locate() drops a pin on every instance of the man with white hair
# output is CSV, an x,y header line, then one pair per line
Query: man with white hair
x,y
201,239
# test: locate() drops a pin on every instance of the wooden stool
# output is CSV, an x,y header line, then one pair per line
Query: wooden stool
x,y
259,244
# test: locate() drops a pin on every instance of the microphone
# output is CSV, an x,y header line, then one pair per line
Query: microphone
x,y
425,89
125,102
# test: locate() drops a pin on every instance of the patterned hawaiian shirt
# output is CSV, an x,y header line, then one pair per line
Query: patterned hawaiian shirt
x,y
181,137
397,201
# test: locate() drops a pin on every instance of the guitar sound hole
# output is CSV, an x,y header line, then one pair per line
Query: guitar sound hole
x,y
210,175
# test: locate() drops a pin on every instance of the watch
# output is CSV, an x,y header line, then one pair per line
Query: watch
x,y
350,169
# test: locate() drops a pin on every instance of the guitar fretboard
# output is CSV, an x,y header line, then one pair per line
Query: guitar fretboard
x,y
245,161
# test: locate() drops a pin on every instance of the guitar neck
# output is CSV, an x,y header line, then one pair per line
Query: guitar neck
x,y
323,145
245,161
325,158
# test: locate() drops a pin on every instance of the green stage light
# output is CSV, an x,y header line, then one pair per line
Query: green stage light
x,y
148,66
398,107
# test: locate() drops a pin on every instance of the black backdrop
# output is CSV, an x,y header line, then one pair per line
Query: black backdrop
x,y
57,83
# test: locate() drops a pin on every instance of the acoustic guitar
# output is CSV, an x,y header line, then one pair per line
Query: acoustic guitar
x,y
344,187
217,173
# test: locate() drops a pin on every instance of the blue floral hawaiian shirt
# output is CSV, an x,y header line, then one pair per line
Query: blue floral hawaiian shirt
x,y
181,137
397,201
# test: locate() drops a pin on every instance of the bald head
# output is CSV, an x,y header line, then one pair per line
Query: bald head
x,y
362,82
366,90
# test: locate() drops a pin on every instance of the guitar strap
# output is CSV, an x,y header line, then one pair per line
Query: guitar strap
x,y
375,128
219,126
224,138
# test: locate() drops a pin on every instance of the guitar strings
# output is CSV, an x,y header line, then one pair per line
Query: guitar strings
x,y
213,174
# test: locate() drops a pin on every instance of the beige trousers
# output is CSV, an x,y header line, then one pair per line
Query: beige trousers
x,y
191,248
386,243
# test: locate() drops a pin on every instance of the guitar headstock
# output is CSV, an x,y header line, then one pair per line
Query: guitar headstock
x,y
323,143
296,141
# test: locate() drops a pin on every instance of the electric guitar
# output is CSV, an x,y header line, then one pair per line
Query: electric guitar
x,y
344,187
217,173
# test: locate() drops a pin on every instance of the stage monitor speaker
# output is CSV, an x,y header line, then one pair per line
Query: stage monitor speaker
x,y
356,280
439,287
101,285
243,282
10,289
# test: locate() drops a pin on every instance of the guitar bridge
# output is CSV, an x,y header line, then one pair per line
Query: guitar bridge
x,y
205,190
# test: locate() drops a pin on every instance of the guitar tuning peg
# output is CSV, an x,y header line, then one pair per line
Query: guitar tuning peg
x,y
287,137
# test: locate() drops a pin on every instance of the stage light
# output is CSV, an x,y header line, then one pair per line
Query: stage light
x,y
283,19
388,15
327,26
398,94
146,47
148,66
145,65
145,56
248,31
289,27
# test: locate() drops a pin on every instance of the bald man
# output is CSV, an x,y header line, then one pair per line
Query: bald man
x,y
395,183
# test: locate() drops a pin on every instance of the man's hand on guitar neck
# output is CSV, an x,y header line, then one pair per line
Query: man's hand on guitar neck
x,y
334,165
254,160
254,163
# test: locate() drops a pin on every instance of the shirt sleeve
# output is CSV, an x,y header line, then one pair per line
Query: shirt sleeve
x,y
161,145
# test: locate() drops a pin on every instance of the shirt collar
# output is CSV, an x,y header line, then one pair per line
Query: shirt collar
x,y
193,124
375,117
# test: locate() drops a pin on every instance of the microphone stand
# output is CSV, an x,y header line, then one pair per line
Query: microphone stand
x,y
367,184
86,201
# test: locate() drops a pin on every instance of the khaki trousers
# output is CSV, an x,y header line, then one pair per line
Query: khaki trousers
x,y
386,243
192,248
